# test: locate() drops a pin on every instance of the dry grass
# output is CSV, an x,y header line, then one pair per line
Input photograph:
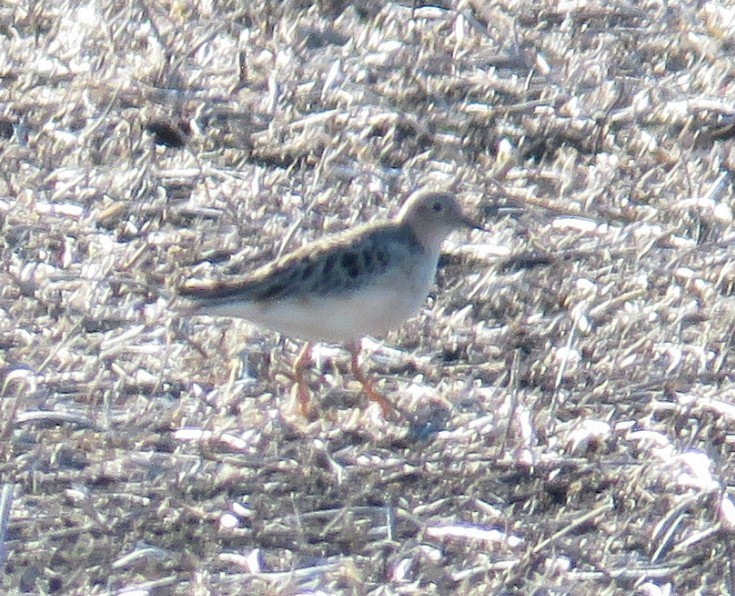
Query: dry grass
x,y
572,375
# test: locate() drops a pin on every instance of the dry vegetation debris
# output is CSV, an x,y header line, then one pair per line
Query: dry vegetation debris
x,y
571,376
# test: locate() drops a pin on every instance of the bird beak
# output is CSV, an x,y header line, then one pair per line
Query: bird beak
x,y
496,210
472,224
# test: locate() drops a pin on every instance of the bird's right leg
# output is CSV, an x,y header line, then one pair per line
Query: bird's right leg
x,y
302,387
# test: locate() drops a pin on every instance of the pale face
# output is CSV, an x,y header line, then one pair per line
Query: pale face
x,y
434,215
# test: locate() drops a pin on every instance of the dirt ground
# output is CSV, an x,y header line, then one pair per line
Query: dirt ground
x,y
569,378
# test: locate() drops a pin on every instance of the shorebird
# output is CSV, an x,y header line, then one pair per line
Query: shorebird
x,y
343,287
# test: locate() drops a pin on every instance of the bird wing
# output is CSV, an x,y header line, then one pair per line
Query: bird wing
x,y
337,264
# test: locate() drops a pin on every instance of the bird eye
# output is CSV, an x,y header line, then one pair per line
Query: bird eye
x,y
437,207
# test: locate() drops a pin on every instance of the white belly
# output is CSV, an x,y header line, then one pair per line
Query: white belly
x,y
370,310
341,318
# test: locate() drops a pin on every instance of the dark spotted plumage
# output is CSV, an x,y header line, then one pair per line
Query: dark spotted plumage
x,y
339,289
359,282
317,267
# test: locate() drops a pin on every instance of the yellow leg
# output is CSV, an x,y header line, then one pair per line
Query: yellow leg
x,y
373,394
302,388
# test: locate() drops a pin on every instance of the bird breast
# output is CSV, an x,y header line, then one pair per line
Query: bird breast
x,y
371,309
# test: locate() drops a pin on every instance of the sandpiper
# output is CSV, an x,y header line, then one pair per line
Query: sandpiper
x,y
343,287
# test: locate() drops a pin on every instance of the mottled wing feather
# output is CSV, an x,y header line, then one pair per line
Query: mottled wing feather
x,y
339,264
